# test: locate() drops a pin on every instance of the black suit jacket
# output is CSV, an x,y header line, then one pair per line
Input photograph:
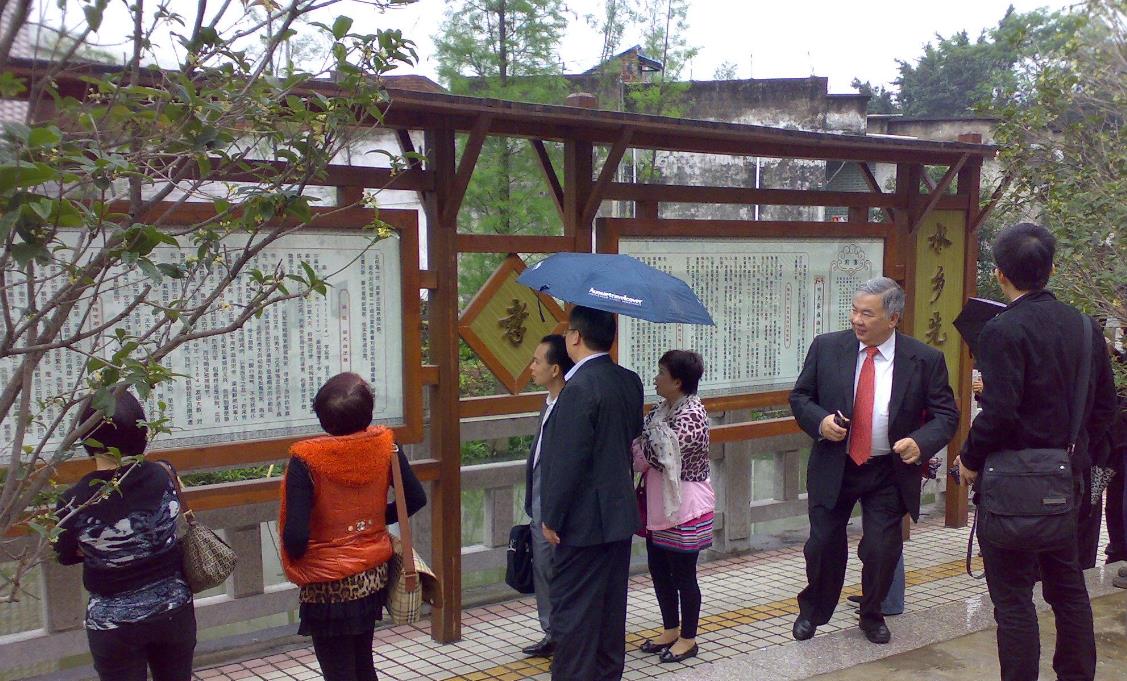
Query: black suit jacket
x,y
587,478
1029,360
922,407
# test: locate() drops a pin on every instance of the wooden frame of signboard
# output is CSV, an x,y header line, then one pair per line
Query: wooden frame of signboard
x,y
252,452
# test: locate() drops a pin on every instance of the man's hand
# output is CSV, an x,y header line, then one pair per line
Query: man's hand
x,y
968,476
908,450
831,431
549,534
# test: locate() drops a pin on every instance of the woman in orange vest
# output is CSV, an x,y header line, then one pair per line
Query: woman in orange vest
x,y
333,522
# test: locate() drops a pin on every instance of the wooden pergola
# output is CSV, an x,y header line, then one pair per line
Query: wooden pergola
x,y
579,189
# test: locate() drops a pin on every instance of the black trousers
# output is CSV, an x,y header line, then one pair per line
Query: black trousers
x,y
588,594
674,576
1116,527
1088,532
163,644
1010,576
346,658
827,549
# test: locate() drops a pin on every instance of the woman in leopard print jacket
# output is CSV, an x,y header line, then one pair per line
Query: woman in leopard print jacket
x,y
672,455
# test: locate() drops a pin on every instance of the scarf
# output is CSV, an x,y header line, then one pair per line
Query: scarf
x,y
667,451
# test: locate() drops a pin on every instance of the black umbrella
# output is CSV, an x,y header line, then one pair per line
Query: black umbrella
x,y
974,316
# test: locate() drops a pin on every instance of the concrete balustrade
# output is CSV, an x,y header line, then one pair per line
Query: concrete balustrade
x,y
248,594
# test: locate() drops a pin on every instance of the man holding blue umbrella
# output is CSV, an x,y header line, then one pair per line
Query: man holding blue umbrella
x,y
588,508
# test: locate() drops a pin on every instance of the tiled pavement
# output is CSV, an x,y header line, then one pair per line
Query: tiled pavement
x,y
748,604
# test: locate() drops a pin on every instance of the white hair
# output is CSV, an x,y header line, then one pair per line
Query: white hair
x,y
891,295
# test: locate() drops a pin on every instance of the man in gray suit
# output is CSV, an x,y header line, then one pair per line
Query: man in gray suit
x,y
549,364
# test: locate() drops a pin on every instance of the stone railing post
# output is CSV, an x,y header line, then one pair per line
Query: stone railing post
x,y
247,579
499,516
62,596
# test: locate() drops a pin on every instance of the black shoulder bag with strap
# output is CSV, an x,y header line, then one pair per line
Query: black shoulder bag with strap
x,y
1026,497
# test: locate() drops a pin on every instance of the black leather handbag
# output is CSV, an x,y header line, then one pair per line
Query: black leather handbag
x,y
518,559
1027,498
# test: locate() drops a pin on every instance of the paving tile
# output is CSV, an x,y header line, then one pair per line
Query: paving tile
x,y
748,603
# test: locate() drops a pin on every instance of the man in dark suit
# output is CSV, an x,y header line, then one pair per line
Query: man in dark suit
x,y
550,362
894,409
1029,362
588,509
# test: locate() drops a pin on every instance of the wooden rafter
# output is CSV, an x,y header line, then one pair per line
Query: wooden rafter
x,y
407,146
554,187
938,192
928,182
874,186
610,166
995,197
466,166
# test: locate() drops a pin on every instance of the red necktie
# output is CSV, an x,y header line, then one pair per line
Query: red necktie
x,y
861,430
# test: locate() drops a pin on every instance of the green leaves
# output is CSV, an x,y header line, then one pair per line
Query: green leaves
x,y
341,26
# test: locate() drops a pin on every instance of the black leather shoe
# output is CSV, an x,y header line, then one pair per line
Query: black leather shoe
x,y
668,655
651,647
544,648
856,600
876,633
803,629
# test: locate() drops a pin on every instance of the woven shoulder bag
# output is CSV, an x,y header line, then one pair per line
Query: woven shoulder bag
x,y
208,560
411,582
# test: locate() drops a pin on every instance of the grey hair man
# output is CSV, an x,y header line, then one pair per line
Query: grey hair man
x,y
878,404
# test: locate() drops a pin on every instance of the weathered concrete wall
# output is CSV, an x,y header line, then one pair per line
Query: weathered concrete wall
x,y
936,129
791,103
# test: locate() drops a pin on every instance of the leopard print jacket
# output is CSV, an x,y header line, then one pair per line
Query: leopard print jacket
x,y
690,423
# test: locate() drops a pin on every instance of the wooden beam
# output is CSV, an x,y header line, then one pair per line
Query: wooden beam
x,y
928,182
555,189
938,192
428,279
461,181
513,243
747,431
407,146
335,175
874,186
629,191
606,174
995,198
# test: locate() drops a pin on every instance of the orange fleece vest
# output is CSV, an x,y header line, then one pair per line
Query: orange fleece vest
x,y
347,530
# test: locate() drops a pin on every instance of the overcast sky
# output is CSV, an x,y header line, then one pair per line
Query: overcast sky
x,y
768,38
763,38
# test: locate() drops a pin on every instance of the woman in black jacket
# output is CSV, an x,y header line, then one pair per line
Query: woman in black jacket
x,y
119,521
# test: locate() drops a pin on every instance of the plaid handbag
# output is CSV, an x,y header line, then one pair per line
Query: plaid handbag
x,y
411,582
208,560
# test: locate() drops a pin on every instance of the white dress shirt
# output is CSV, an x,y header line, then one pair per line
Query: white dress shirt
x,y
588,358
551,402
882,395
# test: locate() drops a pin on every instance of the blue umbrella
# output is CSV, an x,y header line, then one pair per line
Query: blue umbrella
x,y
619,284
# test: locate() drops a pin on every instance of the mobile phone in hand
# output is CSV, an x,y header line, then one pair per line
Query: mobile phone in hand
x,y
840,420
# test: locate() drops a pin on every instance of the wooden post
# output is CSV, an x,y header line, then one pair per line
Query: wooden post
x,y
446,501
970,179
578,181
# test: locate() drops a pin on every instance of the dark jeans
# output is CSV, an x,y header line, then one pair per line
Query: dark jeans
x,y
674,575
163,644
827,549
346,658
1010,576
